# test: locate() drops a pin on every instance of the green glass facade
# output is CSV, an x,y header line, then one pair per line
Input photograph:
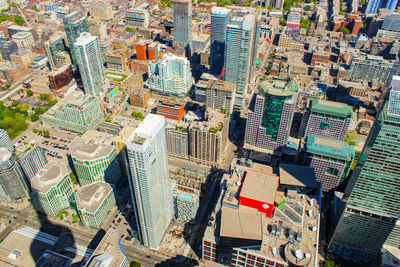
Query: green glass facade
x,y
372,198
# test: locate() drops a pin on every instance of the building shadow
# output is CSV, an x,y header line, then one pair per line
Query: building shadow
x,y
178,261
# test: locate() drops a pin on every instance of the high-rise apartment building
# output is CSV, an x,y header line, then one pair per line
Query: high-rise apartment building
x,y
101,9
5,140
326,119
90,62
74,25
239,49
51,188
178,140
137,17
54,46
274,3
371,202
374,5
183,21
170,76
208,139
331,160
221,95
7,47
371,68
186,203
219,24
94,202
149,180
76,112
94,161
270,116
30,158
12,184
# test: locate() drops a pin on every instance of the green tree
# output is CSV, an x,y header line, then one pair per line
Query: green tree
x,y
46,133
305,23
350,140
135,264
282,21
44,97
34,117
29,93
307,8
52,102
39,110
344,30
19,20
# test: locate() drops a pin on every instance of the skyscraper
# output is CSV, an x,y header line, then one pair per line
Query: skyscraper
x,y
270,116
183,21
239,50
149,180
54,45
219,21
371,202
74,25
7,47
375,5
12,183
5,140
90,62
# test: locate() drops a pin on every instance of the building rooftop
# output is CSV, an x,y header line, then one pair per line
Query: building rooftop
x,y
278,89
303,176
246,224
147,128
260,186
330,108
221,85
219,10
329,147
49,176
90,197
84,149
5,155
109,250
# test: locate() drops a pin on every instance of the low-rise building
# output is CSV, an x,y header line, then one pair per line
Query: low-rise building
x,y
22,56
320,57
94,202
51,188
23,39
109,251
137,17
140,98
76,113
61,80
12,71
186,203
331,159
94,161
171,110
260,221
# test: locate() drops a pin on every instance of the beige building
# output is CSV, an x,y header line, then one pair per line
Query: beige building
x,y
23,56
208,139
101,9
220,95
23,39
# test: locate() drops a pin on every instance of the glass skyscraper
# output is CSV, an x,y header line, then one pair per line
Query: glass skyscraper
x,y
90,62
55,45
371,202
149,180
74,25
239,50
219,21
183,21
375,5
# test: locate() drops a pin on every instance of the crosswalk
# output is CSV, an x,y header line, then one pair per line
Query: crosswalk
x,y
51,240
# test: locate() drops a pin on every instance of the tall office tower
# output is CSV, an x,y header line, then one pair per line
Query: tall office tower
x,y
12,184
371,68
375,5
30,158
76,112
55,45
371,201
239,49
90,62
5,140
270,116
183,21
219,23
170,76
274,3
94,161
101,9
74,25
51,188
149,180
326,119
7,47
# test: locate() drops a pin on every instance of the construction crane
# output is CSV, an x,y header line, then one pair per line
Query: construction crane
x,y
22,14
221,76
123,53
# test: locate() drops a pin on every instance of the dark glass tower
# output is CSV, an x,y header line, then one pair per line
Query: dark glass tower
x,y
219,22
368,216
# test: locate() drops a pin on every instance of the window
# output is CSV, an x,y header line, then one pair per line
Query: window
x,y
331,171
324,125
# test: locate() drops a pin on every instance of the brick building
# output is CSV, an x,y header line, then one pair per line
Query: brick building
x,y
171,110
